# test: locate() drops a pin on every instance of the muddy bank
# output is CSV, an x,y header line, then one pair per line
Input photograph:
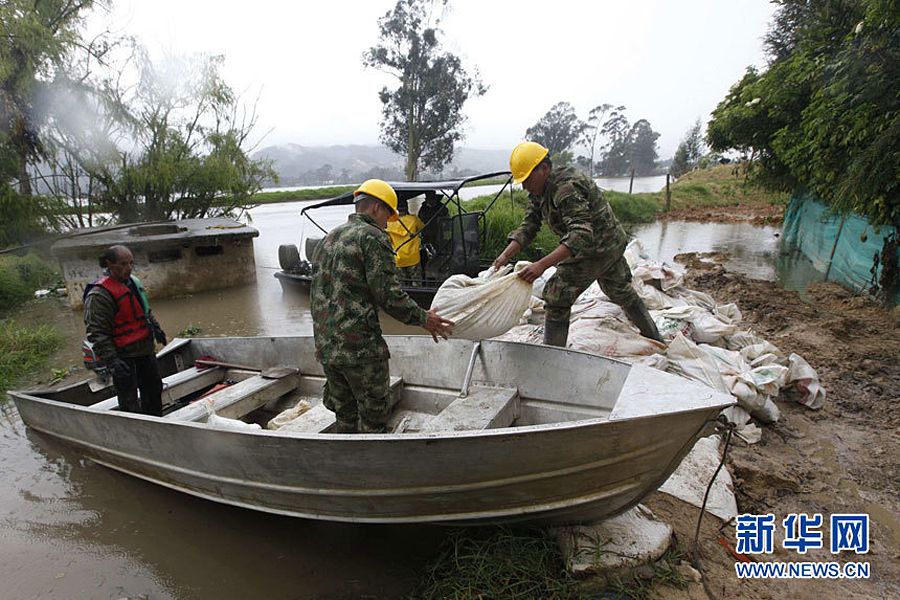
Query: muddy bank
x,y
841,459
756,214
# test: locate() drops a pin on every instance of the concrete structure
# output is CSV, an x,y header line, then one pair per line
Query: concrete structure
x,y
170,258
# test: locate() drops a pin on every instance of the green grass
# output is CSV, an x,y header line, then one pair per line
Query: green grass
x,y
23,350
20,276
506,215
722,185
497,563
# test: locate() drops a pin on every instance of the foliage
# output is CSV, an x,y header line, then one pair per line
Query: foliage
x,y
558,129
23,349
172,146
689,151
497,563
592,130
190,331
615,152
642,147
507,213
21,276
422,118
824,116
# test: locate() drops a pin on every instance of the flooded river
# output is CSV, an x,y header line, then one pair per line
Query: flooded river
x,y
73,529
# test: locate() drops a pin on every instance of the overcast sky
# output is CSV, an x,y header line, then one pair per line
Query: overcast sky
x,y
667,61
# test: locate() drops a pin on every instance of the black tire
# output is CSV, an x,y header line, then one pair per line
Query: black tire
x,y
288,257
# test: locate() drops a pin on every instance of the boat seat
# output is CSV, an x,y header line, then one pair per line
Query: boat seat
x,y
175,386
319,418
483,408
237,400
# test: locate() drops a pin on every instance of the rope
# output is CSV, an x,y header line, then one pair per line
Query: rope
x,y
723,423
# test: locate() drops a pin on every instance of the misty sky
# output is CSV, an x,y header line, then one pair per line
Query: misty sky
x,y
666,61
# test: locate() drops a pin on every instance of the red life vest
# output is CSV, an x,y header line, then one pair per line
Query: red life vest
x,y
130,323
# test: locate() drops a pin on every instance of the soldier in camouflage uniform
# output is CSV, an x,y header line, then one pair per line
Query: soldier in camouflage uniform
x,y
591,246
354,275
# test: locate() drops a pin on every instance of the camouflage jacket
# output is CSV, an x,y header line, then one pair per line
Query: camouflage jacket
x,y
354,273
574,208
99,313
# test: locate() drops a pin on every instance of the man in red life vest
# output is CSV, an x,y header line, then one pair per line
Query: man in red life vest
x,y
122,330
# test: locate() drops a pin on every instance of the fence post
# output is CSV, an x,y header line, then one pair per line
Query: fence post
x,y
668,193
631,183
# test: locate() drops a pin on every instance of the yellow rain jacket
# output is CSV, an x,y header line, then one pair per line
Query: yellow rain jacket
x,y
408,255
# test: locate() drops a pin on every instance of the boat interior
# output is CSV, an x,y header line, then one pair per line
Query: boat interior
x,y
463,399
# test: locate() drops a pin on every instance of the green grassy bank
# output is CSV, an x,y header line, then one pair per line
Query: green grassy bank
x,y
24,347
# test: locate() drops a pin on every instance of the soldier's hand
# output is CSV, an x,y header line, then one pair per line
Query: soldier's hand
x,y
438,325
532,272
500,261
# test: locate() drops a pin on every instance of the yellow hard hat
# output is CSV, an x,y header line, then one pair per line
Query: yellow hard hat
x,y
381,190
524,158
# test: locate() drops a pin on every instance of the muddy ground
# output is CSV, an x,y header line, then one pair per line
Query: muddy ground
x,y
758,214
841,459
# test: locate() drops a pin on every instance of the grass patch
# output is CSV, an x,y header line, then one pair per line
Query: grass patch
x,y
497,563
722,185
507,213
24,349
20,276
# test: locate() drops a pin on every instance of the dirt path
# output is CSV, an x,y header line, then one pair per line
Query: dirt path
x,y
841,459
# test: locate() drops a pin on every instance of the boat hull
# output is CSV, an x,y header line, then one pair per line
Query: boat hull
x,y
550,473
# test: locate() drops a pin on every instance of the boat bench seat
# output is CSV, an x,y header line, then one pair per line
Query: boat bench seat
x,y
237,400
175,386
483,408
319,418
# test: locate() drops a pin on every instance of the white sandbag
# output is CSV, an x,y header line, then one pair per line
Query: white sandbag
x,y
288,415
610,337
216,422
653,298
806,382
540,282
760,354
744,427
596,309
656,361
710,328
693,297
485,306
664,276
528,334
691,478
688,360
742,339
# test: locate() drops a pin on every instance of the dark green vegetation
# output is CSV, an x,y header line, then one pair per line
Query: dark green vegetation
x,y
722,185
23,348
497,563
825,115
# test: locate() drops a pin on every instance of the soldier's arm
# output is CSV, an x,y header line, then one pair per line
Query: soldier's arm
x,y
575,211
530,226
383,280
99,314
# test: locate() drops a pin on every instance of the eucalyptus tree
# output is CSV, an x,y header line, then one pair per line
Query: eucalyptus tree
x,y
591,134
422,118
689,151
558,130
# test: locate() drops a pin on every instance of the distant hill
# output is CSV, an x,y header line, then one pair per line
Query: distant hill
x,y
313,165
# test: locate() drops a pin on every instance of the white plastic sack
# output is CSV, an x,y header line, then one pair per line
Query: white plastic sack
x,y
610,337
485,306
806,380
688,360
216,422
540,282
288,415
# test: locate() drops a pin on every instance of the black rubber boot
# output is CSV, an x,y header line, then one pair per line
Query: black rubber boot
x,y
556,333
640,316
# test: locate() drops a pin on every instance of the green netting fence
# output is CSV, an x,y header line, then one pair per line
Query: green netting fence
x,y
843,247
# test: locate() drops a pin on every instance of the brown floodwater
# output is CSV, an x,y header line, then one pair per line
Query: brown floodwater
x,y
72,529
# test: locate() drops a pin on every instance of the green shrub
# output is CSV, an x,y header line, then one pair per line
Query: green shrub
x,y
21,276
23,349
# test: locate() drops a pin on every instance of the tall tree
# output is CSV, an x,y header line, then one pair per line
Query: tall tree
x,y
689,151
592,128
35,39
422,118
558,129
615,152
642,147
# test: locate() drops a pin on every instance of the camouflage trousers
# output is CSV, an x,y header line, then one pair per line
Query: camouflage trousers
x,y
359,395
411,274
575,275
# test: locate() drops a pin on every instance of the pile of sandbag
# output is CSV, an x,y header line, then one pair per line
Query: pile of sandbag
x,y
705,341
